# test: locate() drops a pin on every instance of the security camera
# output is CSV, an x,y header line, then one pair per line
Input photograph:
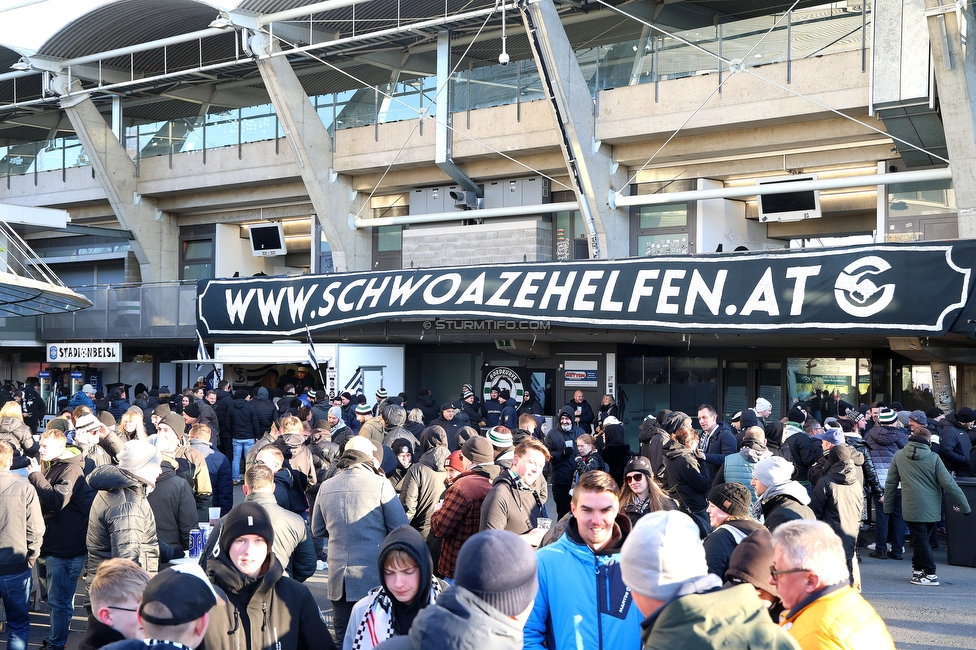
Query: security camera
x,y
503,58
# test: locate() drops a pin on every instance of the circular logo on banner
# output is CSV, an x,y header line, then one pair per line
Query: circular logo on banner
x,y
859,295
503,378
52,352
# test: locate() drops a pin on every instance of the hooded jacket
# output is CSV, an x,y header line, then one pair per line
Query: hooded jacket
x,y
803,452
272,612
20,438
423,487
511,505
355,509
838,498
121,522
562,447
21,524
264,409
582,599
954,445
428,407
532,406
242,421
733,617
459,621
65,500
614,450
379,613
687,478
923,476
173,507
652,438
785,502
292,545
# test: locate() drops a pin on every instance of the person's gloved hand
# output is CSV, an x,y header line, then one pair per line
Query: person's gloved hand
x,y
178,552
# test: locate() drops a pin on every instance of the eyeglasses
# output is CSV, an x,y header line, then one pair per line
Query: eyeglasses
x,y
124,609
773,572
635,478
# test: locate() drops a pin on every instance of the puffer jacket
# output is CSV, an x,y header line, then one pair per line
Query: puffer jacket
x,y
118,407
65,500
872,486
687,478
954,445
882,444
839,619
173,507
268,612
802,449
121,523
265,411
511,505
18,435
923,476
738,468
459,620
428,407
838,499
21,524
582,599
423,487
562,447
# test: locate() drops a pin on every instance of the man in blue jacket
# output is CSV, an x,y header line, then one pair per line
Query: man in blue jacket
x,y
582,600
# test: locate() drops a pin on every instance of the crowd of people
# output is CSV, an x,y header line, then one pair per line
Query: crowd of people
x,y
434,528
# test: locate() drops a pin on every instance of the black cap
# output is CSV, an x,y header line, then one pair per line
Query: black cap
x,y
184,590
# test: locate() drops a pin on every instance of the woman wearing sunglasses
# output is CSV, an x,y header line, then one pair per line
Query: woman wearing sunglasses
x,y
640,494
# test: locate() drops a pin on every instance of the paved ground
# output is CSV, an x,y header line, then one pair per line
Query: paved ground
x,y
919,618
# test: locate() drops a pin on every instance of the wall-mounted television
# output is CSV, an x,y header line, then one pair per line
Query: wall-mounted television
x,y
267,240
789,206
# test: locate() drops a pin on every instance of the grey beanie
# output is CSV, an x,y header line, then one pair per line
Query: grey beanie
x,y
336,411
773,471
511,590
662,552
141,459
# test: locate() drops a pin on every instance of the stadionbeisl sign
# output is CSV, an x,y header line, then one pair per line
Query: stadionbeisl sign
x,y
885,287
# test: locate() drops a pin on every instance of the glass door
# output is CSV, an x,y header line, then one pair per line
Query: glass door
x,y
745,381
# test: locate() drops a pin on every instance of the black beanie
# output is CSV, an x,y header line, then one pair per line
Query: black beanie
x,y
500,569
246,518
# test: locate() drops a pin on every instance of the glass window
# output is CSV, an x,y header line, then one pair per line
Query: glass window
x,y
651,384
805,376
198,249
662,229
663,216
389,238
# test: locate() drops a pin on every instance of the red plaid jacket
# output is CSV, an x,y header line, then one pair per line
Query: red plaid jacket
x,y
460,516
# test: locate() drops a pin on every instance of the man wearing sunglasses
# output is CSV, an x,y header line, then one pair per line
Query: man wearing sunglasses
x,y
810,571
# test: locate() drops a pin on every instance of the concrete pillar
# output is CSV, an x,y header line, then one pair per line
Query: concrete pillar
x,y
157,240
942,386
590,162
331,195
954,60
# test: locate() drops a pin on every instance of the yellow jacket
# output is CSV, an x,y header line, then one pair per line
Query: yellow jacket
x,y
840,620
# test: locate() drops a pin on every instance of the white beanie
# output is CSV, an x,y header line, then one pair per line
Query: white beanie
x,y
762,404
773,470
663,551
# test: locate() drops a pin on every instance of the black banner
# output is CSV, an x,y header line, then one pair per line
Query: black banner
x,y
891,288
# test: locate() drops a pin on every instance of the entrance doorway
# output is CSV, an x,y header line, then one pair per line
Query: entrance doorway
x,y
747,380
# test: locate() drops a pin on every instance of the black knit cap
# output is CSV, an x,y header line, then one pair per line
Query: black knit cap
x,y
499,568
732,498
246,518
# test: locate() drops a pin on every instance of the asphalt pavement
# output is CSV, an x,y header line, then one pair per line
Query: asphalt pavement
x,y
919,618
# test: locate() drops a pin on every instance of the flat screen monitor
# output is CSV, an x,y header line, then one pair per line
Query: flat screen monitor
x,y
267,240
789,206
